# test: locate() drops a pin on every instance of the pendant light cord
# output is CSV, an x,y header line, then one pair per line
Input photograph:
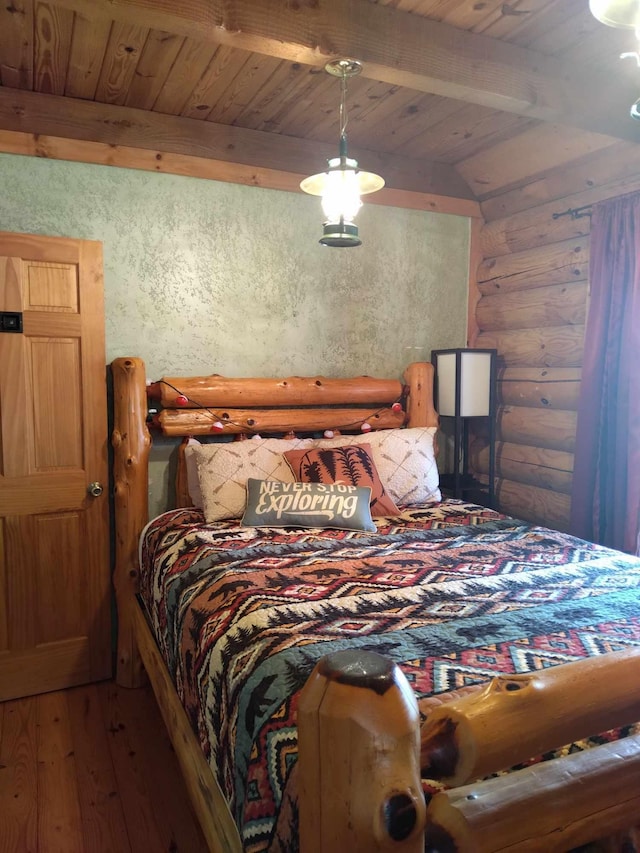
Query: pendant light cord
x,y
343,106
343,117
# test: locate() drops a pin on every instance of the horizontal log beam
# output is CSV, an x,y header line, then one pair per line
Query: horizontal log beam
x,y
610,170
535,227
218,390
556,346
496,169
541,225
537,466
236,421
548,808
531,503
110,124
166,163
555,430
556,263
555,305
397,48
542,388
517,717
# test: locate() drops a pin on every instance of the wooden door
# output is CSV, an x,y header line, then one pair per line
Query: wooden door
x,y
54,545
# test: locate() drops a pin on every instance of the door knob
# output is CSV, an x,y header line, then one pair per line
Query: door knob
x,y
95,489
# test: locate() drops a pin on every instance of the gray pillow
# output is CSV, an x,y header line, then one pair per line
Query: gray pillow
x,y
336,505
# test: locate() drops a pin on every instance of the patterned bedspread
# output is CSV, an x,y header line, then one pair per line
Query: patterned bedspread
x,y
453,593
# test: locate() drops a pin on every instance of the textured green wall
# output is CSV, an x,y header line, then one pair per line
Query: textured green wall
x,y
204,277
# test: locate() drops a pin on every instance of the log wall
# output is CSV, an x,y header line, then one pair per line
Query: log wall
x,y
534,292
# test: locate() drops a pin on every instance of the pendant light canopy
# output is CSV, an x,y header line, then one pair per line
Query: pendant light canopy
x,y
343,183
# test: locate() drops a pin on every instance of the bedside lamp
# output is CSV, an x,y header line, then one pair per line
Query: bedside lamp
x,y
465,382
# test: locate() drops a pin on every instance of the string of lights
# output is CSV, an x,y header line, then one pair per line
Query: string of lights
x,y
221,420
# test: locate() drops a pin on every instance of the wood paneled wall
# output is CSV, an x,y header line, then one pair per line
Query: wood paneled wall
x,y
533,281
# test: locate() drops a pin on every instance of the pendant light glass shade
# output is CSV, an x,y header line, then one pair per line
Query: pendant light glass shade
x,y
624,14
341,192
343,183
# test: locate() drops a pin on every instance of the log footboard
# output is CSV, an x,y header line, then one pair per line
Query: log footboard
x,y
355,713
547,808
516,717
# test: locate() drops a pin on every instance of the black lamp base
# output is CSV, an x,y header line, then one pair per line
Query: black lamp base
x,y
338,234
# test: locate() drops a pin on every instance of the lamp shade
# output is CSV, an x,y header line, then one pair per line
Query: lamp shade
x,y
624,14
464,382
338,172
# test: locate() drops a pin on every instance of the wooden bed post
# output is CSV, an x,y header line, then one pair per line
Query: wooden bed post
x,y
420,411
358,747
131,442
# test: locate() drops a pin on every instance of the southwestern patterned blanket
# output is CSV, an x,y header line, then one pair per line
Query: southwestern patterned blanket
x,y
453,593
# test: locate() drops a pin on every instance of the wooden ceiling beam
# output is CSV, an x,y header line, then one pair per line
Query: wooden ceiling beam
x,y
69,118
99,153
396,47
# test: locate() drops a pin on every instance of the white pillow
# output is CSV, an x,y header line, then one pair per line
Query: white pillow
x,y
225,467
405,460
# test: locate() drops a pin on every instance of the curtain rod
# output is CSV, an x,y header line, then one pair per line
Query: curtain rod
x,y
574,212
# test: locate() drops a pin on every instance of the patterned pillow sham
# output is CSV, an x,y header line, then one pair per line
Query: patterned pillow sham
x,y
352,464
336,505
405,459
225,467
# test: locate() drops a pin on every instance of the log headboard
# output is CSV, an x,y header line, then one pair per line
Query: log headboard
x,y
225,406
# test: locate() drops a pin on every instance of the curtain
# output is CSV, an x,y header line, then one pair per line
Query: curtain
x,y
606,480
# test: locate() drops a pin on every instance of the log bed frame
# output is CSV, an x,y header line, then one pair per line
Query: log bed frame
x,y
360,742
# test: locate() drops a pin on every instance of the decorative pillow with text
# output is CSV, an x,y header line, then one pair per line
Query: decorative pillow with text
x,y
337,505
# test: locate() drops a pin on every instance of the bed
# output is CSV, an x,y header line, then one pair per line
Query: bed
x,y
363,686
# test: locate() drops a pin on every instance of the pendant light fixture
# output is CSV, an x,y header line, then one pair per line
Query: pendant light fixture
x,y
625,15
343,183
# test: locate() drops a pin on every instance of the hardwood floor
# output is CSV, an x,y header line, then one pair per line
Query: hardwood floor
x,y
91,770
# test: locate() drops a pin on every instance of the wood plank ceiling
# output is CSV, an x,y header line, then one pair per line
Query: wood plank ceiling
x,y
455,99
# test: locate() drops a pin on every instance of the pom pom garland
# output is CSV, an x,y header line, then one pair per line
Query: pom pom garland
x,y
182,400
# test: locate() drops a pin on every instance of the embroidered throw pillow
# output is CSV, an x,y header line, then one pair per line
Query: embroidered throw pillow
x,y
337,505
225,467
405,460
352,464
